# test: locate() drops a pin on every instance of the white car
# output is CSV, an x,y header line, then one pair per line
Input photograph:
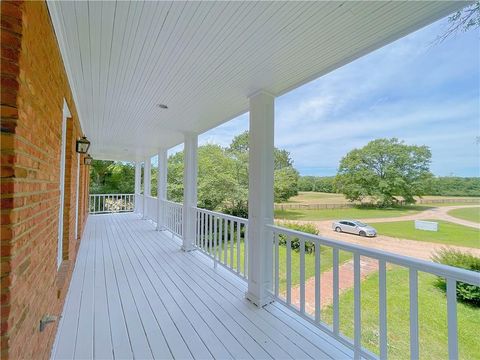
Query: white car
x,y
354,227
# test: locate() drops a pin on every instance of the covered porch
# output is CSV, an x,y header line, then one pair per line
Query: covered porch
x,y
171,280
136,294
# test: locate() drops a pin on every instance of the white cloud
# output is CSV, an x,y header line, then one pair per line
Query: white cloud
x,y
419,92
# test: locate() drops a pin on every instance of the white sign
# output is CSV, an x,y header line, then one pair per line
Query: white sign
x,y
426,225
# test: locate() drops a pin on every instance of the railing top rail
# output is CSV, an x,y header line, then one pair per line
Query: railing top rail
x,y
172,202
110,194
225,216
467,276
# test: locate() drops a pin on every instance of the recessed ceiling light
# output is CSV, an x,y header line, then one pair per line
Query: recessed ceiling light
x,y
162,106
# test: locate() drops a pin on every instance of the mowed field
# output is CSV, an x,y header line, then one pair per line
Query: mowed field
x,y
310,197
469,214
302,207
432,301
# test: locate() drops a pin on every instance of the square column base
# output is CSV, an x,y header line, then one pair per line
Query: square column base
x,y
260,302
188,248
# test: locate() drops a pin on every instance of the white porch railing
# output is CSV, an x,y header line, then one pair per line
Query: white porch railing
x,y
173,217
108,203
223,238
303,241
151,208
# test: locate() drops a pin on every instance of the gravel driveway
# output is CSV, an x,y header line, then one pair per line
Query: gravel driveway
x,y
417,249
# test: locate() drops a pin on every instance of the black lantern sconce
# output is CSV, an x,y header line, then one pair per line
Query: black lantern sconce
x,y
82,145
87,160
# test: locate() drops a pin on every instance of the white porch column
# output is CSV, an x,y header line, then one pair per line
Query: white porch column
x,y
260,198
146,184
138,179
161,188
190,170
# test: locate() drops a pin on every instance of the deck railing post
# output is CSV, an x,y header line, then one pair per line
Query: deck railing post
x,y
189,191
138,179
260,199
161,188
146,184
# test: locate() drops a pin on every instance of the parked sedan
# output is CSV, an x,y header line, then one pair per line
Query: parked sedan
x,y
354,227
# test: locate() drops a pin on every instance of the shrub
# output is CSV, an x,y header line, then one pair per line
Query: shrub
x,y
295,241
465,292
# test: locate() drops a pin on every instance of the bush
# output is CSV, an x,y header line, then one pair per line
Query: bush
x,y
465,292
295,241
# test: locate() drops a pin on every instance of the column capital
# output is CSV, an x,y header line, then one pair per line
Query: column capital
x,y
260,92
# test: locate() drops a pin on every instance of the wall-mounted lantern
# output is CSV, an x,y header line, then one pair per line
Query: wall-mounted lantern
x,y
87,160
82,145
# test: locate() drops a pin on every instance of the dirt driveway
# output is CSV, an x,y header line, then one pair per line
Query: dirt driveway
x,y
413,248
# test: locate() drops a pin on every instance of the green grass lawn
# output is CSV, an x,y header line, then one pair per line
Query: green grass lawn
x,y
470,214
312,197
326,262
432,318
349,213
448,233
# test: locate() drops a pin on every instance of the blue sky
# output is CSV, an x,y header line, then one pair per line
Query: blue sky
x,y
412,89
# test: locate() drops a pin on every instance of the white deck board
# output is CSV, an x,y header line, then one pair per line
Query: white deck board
x,y
135,294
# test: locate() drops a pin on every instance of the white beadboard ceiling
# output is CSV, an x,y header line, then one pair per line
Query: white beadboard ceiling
x,y
203,59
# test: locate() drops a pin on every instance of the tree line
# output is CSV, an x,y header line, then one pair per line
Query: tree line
x,y
438,185
222,177
382,172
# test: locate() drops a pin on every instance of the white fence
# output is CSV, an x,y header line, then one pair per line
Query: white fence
x,y
314,243
109,203
224,238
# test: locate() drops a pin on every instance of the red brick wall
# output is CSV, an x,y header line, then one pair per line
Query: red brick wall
x,y
34,86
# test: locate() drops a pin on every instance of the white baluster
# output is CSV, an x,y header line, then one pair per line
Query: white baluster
x,y
277,260
336,317
302,275
289,270
452,319
413,281
238,247
214,241
357,335
382,289
317,282
232,226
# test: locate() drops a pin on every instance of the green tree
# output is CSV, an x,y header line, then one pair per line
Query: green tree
x,y
223,176
286,183
216,177
175,177
383,170
286,177
111,177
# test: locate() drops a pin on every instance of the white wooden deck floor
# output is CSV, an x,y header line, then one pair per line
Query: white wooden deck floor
x,y
135,294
